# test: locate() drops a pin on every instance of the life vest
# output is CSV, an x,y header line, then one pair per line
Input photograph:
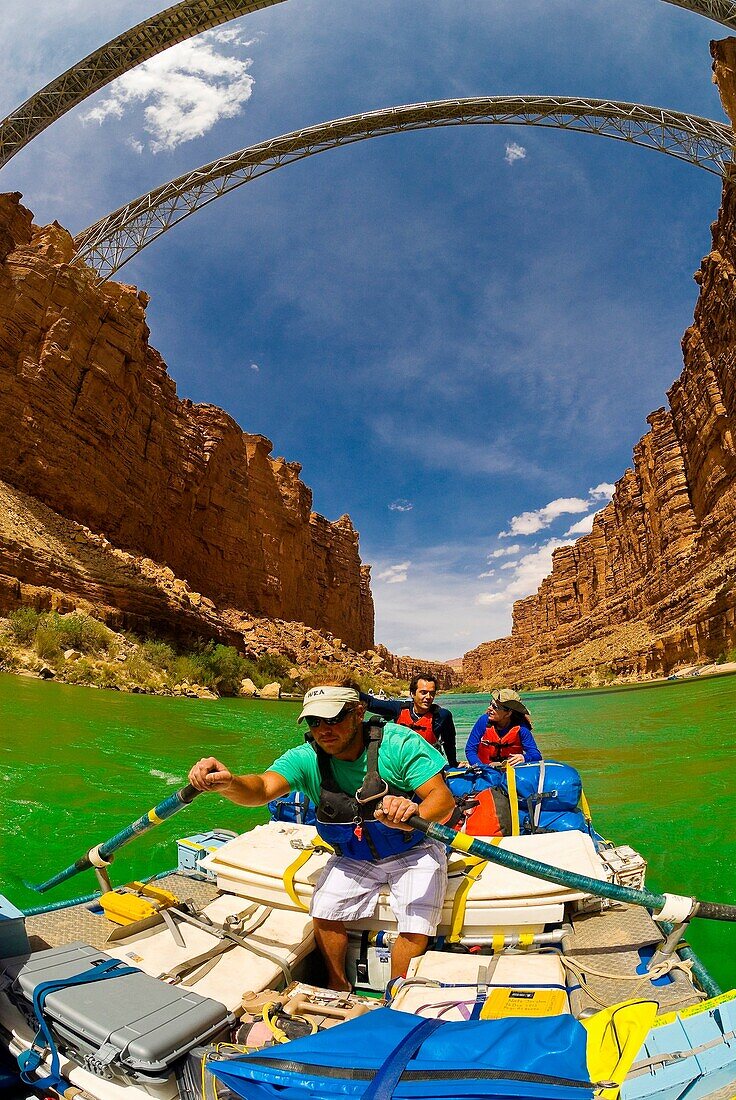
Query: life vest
x,y
489,814
423,725
346,822
494,746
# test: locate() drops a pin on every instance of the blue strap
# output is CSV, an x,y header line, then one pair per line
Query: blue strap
x,y
30,1060
388,1076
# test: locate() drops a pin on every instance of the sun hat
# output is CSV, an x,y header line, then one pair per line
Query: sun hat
x,y
510,700
327,702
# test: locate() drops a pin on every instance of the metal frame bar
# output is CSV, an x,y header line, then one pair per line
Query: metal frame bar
x,y
122,234
167,28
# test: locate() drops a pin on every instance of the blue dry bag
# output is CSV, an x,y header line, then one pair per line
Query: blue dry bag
x,y
387,1054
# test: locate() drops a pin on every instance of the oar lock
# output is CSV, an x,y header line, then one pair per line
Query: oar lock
x,y
677,909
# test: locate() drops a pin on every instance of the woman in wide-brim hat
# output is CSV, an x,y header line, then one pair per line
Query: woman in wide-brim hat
x,y
503,734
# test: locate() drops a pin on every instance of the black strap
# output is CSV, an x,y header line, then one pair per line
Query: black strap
x,y
361,965
373,787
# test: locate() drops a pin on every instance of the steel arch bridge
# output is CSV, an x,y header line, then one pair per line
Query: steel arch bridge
x,y
115,239
167,28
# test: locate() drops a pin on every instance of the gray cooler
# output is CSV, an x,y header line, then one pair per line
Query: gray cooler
x,y
133,1027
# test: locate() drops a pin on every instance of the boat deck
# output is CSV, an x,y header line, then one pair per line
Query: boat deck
x,y
82,922
608,946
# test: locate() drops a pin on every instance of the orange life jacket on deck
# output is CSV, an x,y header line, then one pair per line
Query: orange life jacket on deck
x,y
422,726
491,814
494,746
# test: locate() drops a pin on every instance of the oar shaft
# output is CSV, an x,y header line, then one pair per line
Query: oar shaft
x,y
102,854
515,862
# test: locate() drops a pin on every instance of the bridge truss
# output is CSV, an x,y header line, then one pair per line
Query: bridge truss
x,y
167,28
115,239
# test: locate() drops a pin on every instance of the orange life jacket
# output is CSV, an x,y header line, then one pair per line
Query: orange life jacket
x,y
491,816
494,746
422,725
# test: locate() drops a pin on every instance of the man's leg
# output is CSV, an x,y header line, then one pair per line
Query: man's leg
x,y
332,940
408,946
418,882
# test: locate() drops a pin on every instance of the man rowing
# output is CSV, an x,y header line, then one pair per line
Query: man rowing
x,y
367,781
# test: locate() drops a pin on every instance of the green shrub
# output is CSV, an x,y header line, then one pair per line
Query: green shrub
x,y
46,643
23,624
158,654
270,667
79,631
7,657
80,672
220,668
185,668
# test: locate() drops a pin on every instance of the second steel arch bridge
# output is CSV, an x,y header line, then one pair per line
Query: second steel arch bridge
x,y
116,238
167,28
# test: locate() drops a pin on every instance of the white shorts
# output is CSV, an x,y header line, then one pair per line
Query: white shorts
x,y
348,889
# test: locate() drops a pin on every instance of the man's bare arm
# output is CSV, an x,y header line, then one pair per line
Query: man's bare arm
x,y
209,774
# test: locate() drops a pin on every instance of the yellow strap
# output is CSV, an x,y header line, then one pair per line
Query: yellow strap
x,y
513,799
290,874
526,939
497,943
461,900
585,807
154,818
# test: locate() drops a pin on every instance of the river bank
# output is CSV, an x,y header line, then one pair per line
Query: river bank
x,y
78,649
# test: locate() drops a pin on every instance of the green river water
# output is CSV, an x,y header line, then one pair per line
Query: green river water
x,y
77,764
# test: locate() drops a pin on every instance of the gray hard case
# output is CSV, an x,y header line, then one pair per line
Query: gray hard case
x,y
134,1026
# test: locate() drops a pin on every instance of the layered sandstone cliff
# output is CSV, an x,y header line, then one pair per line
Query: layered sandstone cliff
x,y
91,425
404,668
654,584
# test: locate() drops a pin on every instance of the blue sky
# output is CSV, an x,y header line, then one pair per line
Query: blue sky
x,y
458,333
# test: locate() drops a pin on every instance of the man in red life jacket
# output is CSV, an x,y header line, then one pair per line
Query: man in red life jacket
x,y
420,713
503,733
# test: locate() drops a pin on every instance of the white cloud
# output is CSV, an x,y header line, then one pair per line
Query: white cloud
x,y
485,598
434,614
514,152
530,522
505,552
186,90
529,572
583,527
255,367
400,505
395,574
135,145
604,491
488,573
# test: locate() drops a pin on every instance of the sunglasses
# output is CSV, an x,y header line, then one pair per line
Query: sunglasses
x,y
314,720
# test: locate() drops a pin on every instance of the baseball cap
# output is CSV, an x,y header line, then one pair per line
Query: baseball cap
x,y
327,702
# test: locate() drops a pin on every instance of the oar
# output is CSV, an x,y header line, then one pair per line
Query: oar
x,y
664,907
101,855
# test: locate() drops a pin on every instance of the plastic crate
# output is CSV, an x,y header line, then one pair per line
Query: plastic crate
x,y
193,849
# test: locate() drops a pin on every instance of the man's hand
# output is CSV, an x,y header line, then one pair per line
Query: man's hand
x,y
208,774
394,810
515,759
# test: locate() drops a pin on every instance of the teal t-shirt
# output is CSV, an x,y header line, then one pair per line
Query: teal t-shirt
x,y
405,760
